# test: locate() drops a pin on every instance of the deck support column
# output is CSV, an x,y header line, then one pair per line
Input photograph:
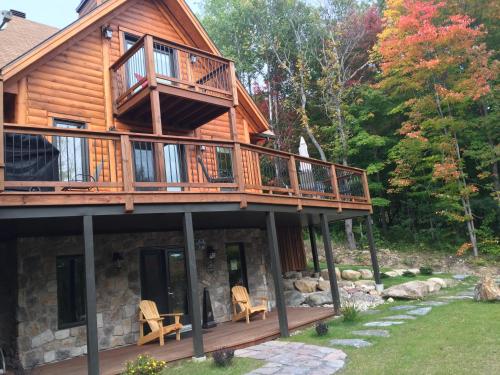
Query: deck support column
x,y
329,262
276,271
373,253
192,275
314,246
90,297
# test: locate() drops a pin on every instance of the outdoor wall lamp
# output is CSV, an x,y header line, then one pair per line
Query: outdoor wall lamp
x,y
117,260
107,32
211,253
193,58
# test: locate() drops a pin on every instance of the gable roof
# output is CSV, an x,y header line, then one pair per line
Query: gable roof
x,y
20,36
178,7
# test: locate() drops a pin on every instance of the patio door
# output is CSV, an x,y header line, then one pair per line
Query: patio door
x,y
164,281
236,265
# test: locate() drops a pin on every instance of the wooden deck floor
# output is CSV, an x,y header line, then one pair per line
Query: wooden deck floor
x,y
228,334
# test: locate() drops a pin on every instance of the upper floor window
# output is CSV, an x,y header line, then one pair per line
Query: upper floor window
x,y
73,161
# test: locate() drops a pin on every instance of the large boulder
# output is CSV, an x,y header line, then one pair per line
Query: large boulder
x,y
293,298
415,271
346,284
365,285
450,283
410,290
306,285
323,285
292,275
390,274
487,290
438,280
326,276
288,284
319,299
433,285
366,274
351,275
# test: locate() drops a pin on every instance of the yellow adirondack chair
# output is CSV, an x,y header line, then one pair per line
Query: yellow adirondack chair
x,y
148,314
241,300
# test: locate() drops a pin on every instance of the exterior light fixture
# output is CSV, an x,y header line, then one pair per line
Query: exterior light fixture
x,y
117,260
107,32
211,253
193,58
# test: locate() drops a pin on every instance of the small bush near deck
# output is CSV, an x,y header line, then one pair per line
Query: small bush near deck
x,y
145,365
408,274
223,357
349,312
426,270
321,328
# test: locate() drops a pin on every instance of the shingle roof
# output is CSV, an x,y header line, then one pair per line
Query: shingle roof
x,y
20,36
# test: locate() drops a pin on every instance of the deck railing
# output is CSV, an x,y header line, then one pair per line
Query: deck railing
x,y
152,61
66,160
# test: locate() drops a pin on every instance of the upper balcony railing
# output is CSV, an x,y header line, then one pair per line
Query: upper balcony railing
x,y
69,160
151,62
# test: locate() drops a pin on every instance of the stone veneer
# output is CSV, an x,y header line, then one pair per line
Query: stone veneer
x,y
118,290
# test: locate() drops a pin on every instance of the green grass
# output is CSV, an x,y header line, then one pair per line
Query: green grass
x,y
238,366
459,338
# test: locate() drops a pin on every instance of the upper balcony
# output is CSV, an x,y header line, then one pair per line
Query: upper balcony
x,y
195,86
64,166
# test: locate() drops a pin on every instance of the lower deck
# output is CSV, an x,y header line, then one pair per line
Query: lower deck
x,y
225,335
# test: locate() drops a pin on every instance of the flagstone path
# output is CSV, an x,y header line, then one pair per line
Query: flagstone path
x,y
294,358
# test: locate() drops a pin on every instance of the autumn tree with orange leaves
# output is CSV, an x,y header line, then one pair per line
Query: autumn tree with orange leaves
x,y
440,65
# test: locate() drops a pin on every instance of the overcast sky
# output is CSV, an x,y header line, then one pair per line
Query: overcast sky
x,y
58,13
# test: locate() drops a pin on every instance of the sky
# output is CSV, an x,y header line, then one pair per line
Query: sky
x,y
57,13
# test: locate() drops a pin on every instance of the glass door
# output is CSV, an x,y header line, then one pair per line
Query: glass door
x,y
73,154
177,291
236,265
175,165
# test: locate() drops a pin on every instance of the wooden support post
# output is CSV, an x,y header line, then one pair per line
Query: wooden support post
x,y
150,61
157,130
232,124
373,251
325,229
272,239
22,101
366,188
192,274
238,158
294,179
314,246
90,297
2,152
108,94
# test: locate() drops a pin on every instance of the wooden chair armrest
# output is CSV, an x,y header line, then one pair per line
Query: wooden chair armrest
x,y
174,314
146,320
241,301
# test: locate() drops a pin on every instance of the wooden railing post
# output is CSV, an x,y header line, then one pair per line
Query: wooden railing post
x,y
294,178
2,155
126,149
234,83
150,61
366,188
335,184
238,170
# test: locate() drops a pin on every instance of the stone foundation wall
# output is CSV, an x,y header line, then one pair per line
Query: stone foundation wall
x,y
118,290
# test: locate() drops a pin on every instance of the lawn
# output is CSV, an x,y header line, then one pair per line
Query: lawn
x,y
239,366
459,338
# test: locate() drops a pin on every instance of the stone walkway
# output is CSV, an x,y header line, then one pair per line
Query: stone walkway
x,y
294,358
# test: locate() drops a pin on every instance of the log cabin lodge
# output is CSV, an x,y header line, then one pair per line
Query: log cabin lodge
x,y
132,168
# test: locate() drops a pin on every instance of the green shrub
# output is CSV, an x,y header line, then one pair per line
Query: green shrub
x,y
223,357
349,312
408,274
144,365
321,328
426,270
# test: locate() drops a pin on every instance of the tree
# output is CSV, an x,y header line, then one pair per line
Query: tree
x,y
438,63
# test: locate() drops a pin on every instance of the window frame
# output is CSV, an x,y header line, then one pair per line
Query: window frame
x,y
77,323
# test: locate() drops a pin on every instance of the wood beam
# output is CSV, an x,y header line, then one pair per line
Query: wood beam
x,y
330,264
373,250
314,246
233,128
276,271
192,275
108,93
90,297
